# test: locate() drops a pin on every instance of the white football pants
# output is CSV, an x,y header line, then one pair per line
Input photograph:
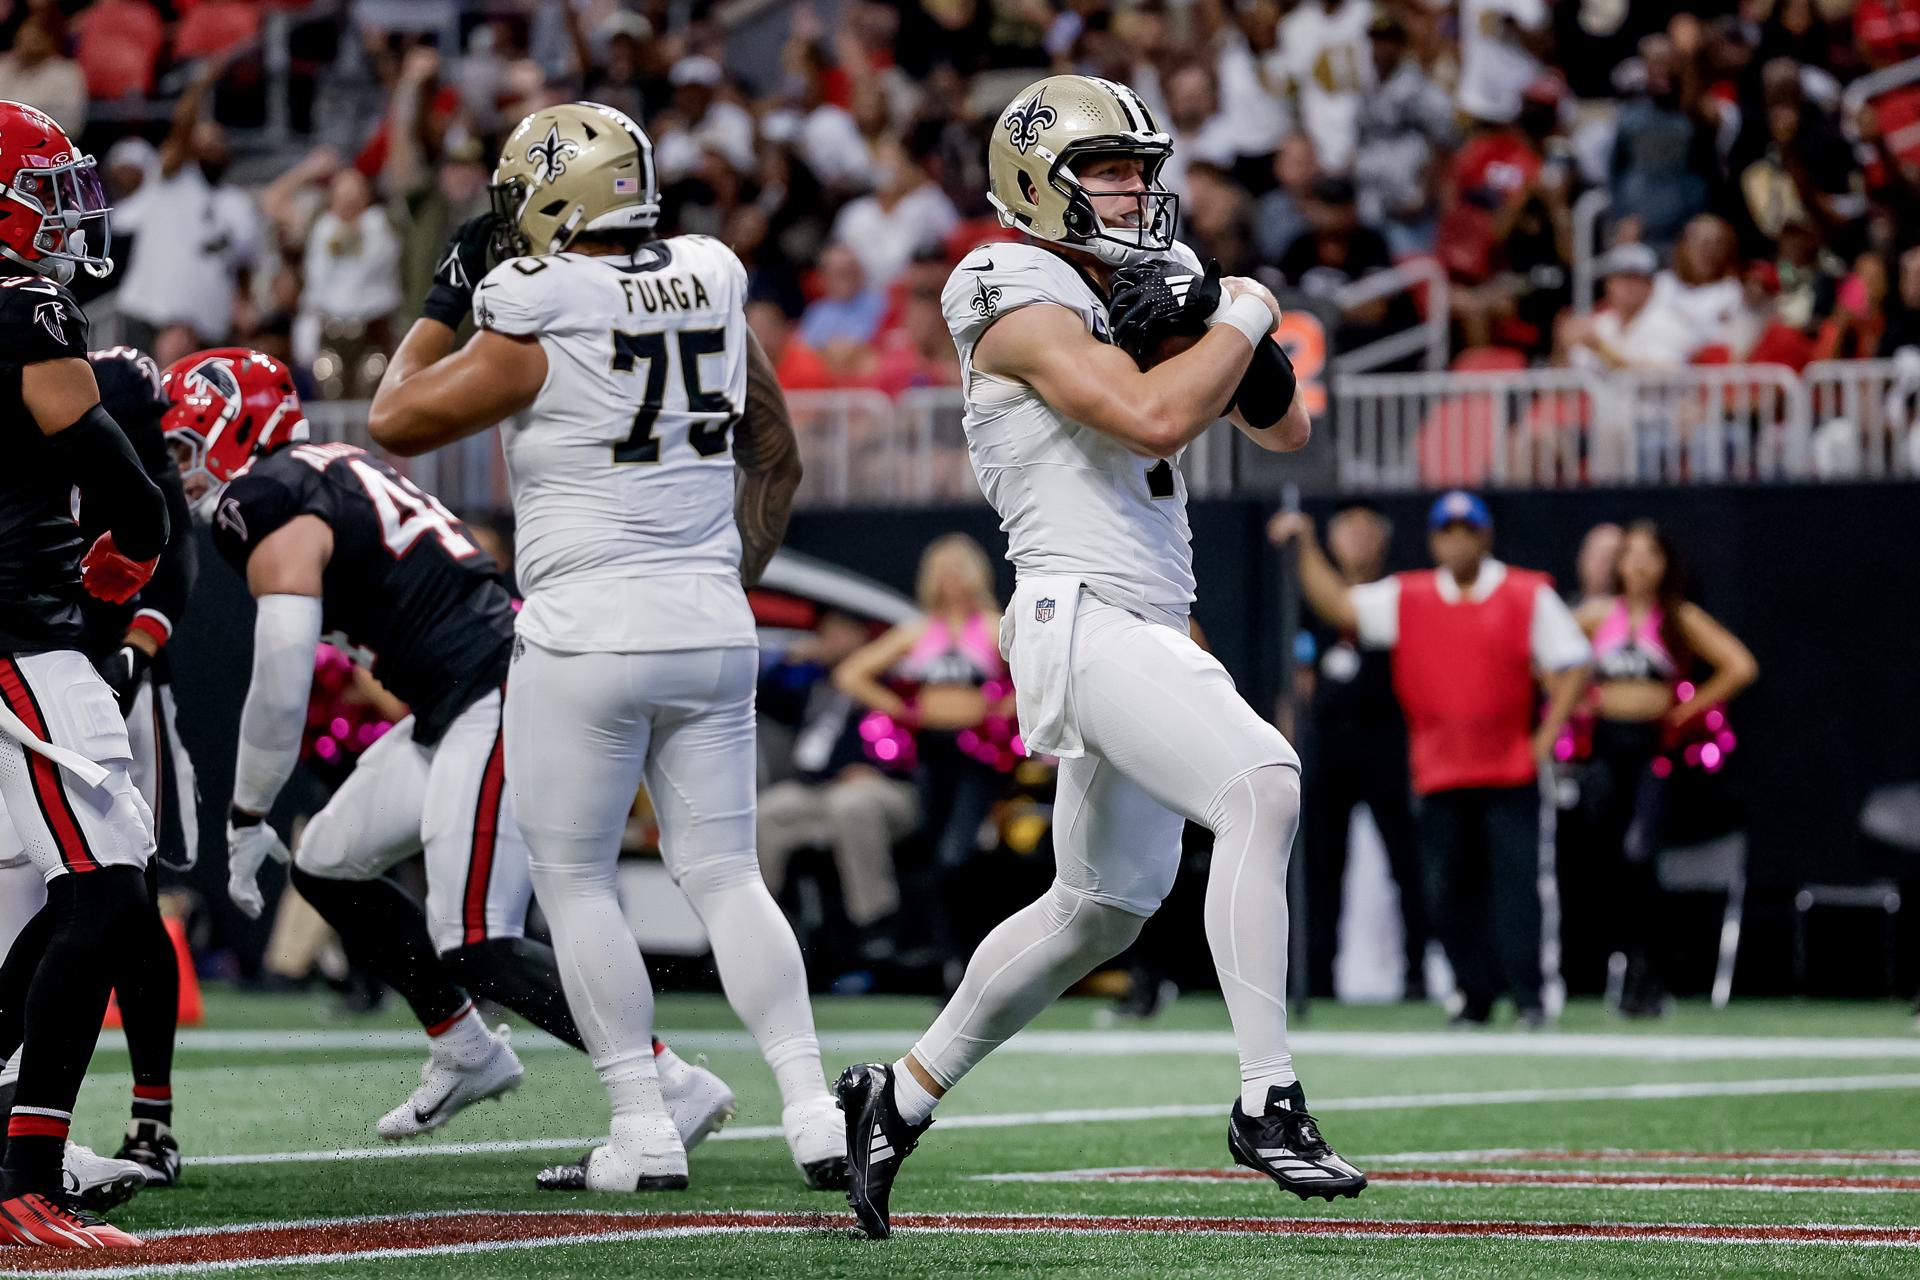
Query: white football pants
x,y
583,732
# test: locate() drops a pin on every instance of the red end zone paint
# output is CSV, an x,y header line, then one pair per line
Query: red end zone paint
x,y
323,1242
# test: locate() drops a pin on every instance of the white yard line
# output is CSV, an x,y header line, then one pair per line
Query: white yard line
x,y
1185,1111
1371,1044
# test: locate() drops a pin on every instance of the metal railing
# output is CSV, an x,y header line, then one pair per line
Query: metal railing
x,y
1428,339
1564,428
1588,210
1532,428
1865,418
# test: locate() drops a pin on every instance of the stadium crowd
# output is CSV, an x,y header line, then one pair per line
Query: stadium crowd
x,y
1761,211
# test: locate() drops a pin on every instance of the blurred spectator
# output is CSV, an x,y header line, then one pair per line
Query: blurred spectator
x,y
1808,273
1322,62
1280,217
918,352
1790,160
196,274
1593,569
1886,31
1903,316
131,167
1202,133
1703,284
1405,123
1356,755
433,175
625,73
826,132
905,213
1594,40
701,121
1637,328
848,311
1338,251
35,72
838,799
1502,44
942,677
352,274
798,366
1216,220
1853,331
1662,154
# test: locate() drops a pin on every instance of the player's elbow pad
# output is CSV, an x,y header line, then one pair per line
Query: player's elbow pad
x,y
1267,388
95,455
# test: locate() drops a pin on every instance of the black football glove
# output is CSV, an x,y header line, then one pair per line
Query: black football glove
x,y
464,263
125,670
1160,299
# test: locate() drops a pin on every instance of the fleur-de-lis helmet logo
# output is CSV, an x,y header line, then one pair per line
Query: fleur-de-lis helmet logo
x,y
552,154
985,301
1024,125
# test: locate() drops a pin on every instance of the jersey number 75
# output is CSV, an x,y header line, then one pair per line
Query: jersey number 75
x,y
707,438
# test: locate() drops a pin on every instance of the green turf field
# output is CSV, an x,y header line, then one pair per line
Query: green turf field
x,y
1770,1139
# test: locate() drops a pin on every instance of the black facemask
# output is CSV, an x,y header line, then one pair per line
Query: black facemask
x,y
214,170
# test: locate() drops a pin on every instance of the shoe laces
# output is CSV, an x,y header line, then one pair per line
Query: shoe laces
x,y
69,1211
1298,1131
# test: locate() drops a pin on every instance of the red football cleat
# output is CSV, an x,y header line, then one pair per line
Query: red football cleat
x,y
44,1222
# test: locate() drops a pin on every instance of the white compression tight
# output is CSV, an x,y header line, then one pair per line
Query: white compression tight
x,y
1024,965
1168,740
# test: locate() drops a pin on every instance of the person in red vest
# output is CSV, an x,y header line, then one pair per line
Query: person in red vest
x,y
1471,643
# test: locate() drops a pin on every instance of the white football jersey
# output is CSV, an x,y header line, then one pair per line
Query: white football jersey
x,y
1071,499
622,470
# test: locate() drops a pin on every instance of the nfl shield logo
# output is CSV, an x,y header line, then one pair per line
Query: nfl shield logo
x,y
1043,609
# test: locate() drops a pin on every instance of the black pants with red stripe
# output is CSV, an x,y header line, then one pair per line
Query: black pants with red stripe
x,y
92,914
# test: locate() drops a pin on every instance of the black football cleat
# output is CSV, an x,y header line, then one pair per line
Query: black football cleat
x,y
877,1141
1284,1143
151,1145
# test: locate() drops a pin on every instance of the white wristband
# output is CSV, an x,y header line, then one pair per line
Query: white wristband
x,y
1247,313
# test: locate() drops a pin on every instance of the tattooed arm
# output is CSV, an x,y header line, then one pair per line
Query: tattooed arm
x,y
769,459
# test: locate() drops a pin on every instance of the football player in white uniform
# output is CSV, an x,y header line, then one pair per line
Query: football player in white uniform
x,y
1076,448
652,477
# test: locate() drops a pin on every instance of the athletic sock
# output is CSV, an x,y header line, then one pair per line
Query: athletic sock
x,y
910,1097
148,982
384,932
633,1086
1257,1078
462,1039
153,1102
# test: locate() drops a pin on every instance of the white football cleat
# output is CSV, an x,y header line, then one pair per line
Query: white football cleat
x,y
448,1088
817,1137
698,1100
100,1182
644,1154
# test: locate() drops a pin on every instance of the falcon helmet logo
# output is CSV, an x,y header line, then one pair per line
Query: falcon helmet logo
x,y
1024,125
1043,609
552,154
985,301
50,316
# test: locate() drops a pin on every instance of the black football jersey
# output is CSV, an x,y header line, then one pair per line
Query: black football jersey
x,y
129,384
406,581
40,541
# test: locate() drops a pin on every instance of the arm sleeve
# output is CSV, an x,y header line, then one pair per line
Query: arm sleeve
x,y
1556,637
1377,607
286,631
96,456
164,598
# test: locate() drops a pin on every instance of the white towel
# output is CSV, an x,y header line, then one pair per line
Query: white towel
x,y
1036,638
72,761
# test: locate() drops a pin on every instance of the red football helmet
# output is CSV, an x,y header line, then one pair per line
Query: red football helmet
x,y
53,210
224,408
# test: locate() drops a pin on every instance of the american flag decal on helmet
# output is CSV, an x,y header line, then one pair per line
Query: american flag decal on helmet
x,y
1043,609
626,186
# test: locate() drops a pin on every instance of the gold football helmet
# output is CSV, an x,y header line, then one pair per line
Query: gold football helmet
x,y
1049,128
573,168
